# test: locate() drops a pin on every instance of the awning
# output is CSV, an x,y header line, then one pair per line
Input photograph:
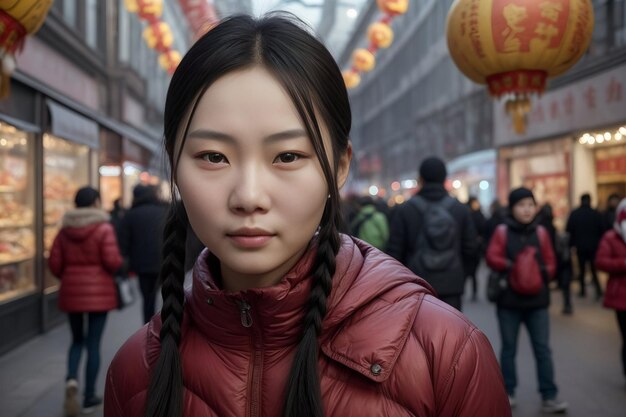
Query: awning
x,y
70,125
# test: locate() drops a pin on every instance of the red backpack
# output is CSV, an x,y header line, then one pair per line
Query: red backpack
x,y
526,277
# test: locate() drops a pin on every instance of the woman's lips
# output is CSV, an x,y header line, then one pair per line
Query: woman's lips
x,y
250,242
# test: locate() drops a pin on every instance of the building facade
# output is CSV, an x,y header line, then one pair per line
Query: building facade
x,y
85,108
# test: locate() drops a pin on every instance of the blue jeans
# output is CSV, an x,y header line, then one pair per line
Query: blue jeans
x,y
538,324
95,328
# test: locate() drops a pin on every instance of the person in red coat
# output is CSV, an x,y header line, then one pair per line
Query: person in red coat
x,y
84,257
285,316
513,308
611,258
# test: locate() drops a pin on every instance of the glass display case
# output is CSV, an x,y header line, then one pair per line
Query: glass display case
x,y
17,203
66,169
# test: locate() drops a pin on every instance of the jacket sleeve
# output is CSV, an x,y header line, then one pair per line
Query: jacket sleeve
x,y
547,251
475,385
607,260
496,252
109,250
398,235
55,259
469,237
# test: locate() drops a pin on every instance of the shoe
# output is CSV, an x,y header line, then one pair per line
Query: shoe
x,y
553,406
90,404
512,401
70,405
568,311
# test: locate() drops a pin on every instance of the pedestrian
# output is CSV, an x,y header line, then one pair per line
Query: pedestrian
x,y
285,317
585,228
611,258
470,264
141,241
608,215
117,214
370,224
497,215
84,256
432,233
515,308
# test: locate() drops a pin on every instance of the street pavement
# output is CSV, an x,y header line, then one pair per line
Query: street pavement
x,y
585,348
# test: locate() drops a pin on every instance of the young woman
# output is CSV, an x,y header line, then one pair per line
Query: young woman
x,y
611,258
285,317
84,257
515,307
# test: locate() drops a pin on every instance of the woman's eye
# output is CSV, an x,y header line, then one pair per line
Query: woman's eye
x,y
214,158
287,158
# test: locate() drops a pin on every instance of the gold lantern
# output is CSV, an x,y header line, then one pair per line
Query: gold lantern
x,y
351,78
514,46
169,60
149,10
363,60
18,18
380,34
393,7
158,36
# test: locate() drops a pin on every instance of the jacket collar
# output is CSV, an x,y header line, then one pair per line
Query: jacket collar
x,y
433,191
81,217
370,313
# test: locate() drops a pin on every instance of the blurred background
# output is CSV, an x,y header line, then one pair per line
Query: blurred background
x,y
84,92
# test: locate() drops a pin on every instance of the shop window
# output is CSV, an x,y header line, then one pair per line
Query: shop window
x,y
17,204
66,169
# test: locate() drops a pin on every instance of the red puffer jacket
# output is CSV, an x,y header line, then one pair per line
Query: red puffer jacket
x,y
611,258
84,257
388,348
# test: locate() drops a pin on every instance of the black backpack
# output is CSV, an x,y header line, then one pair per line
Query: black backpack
x,y
436,248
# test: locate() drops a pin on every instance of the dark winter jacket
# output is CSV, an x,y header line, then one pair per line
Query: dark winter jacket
x,y
84,257
406,224
387,348
141,235
611,258
507,242
585,227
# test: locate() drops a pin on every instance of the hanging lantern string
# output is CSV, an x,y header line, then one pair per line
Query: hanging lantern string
x,y
380,35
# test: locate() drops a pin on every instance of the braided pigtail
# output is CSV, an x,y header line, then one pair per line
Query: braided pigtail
x,y
165,393
304,397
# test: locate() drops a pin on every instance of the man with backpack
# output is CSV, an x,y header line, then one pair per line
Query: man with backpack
x,y
432,233
522,252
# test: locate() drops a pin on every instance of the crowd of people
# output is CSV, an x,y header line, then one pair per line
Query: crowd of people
x,y
593,238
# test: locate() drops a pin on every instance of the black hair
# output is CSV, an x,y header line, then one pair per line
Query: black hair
x,y
86,196
585,199
308,73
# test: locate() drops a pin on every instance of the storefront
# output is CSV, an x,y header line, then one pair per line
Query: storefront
x,y
49,148
574,144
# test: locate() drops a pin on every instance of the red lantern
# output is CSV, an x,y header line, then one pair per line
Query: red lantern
x,y
169,60
158,36
393,7
150,10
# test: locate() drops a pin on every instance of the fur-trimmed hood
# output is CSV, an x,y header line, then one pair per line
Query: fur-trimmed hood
x,y
79,223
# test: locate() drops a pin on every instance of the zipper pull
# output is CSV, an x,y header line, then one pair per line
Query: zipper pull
x,y
246,317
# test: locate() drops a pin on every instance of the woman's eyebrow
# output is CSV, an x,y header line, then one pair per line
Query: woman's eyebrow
x,y
224,137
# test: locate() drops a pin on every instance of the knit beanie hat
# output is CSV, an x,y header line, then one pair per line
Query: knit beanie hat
x,y
519,194
433,170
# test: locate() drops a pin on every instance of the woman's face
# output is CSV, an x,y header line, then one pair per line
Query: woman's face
x,y
250,180
525,210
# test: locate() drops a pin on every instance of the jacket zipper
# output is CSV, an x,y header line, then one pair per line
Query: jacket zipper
x,y
257,359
